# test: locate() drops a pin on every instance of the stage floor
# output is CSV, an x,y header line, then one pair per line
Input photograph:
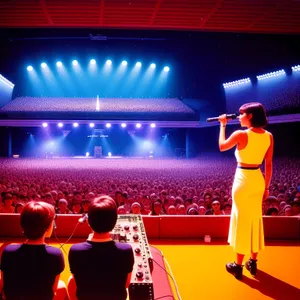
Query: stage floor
x,y
199,270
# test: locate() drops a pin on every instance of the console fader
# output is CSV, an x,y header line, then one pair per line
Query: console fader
x,y
130,229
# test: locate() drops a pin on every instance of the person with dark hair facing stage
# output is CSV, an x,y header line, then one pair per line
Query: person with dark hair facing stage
x,y
101,268
250,186
31,270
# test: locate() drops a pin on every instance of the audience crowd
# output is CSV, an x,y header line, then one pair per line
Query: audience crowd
x,y
141,186
68,104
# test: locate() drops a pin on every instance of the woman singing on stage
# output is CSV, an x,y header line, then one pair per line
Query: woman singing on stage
x,y
250,186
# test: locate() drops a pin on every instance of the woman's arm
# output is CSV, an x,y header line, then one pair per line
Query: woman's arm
x,y
232,141
269,166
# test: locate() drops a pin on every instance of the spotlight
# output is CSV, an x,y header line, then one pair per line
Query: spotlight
x,y
74,62
60,124
138,125
87,154
59,64
109,154
236,83
124,63
29,68
153,66
123,125
153,125
92,61
43,65
109,62
45,124
166,69
138,64
92,125
108,125
75,124
269,75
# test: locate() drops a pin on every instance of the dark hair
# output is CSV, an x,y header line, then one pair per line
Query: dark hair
x,y
118,192
259,118
152,207
207,194
35,219
188,201
192,211
7,196
163,192
102,214
17,206
271,210
227,205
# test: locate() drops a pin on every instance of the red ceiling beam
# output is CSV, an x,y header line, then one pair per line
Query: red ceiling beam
x,y
45,11
264,15
214,9
157,6
101,12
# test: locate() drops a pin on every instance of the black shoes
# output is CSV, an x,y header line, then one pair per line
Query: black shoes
x,y
235,269
251,266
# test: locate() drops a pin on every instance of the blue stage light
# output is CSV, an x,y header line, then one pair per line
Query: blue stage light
x,y
29,68
270,75
236,83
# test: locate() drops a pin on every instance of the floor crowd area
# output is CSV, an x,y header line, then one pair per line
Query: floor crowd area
x,y
199,186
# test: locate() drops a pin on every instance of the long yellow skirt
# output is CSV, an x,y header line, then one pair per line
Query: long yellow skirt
x,y
246,232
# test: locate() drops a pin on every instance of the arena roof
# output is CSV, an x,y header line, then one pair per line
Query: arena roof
x,y
251,16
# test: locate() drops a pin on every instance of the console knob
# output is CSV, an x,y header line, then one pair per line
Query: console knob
x,y
135,237
137,250
135,227
126,227
139,274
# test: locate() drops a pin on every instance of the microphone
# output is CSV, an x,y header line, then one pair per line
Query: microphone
x,y
228,117
83,219
54,225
